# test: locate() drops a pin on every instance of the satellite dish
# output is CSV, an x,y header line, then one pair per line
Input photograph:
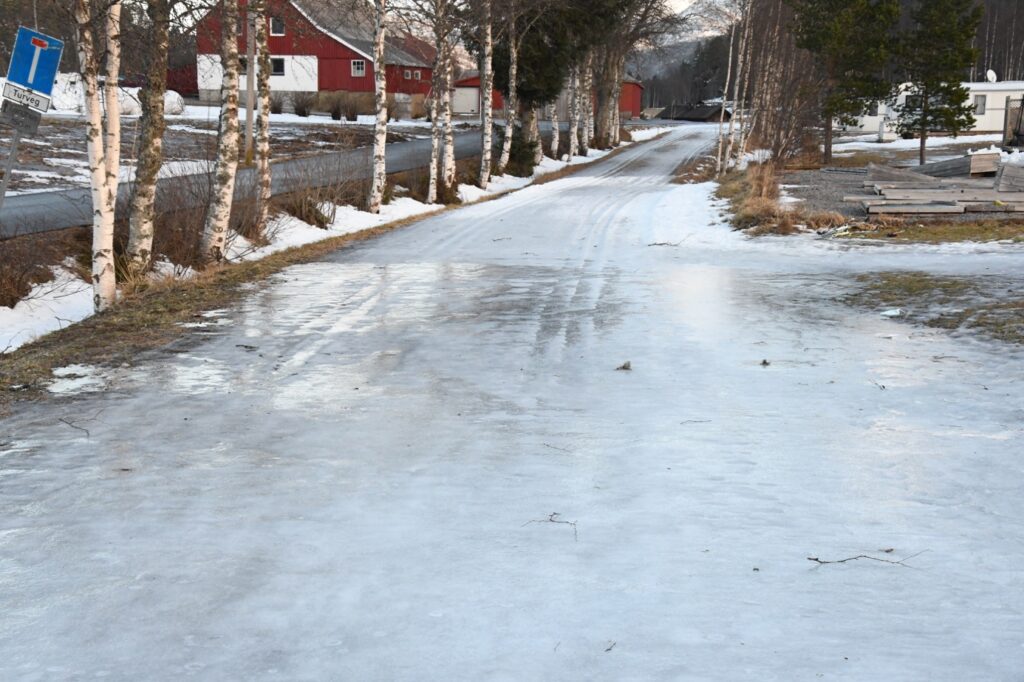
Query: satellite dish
x,y
992,76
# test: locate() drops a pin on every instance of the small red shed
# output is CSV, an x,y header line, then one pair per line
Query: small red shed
x,y
632,98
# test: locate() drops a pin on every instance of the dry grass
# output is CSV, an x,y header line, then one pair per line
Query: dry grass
x,y
753,197
936,232
695,171
951,303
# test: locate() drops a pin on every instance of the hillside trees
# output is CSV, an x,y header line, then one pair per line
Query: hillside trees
x,y
937,52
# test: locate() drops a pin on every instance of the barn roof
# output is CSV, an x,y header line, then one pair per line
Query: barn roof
x,y
351,23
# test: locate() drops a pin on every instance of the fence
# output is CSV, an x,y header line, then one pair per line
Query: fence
x,y
1013,130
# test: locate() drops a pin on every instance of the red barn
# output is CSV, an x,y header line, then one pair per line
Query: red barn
x,y
631,100
320,46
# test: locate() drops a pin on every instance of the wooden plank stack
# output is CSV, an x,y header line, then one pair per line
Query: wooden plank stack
x,y
944,188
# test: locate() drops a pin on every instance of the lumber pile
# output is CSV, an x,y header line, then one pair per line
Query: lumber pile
x,y
944,188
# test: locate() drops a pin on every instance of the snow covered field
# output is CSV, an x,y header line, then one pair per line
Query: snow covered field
x,y
417,460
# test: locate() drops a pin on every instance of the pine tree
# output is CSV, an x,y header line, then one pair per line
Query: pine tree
x,y
937,54
852,39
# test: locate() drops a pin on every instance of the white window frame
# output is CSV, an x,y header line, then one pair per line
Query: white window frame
x,y
980,104
417,75
273,62
408,75
272,31
359,68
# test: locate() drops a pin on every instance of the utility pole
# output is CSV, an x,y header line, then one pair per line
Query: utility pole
x,y
250,87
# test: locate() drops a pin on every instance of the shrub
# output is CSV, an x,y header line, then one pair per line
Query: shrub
x,y
276,103
303,103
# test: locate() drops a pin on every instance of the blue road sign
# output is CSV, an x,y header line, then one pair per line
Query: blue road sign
x,y
34,61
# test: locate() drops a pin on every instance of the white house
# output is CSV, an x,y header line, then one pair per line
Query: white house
x,y
989,100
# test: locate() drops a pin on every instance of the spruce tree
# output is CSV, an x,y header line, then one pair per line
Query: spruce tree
x,y
936,55
852,39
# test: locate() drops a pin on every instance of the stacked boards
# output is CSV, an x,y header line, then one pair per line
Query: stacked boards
x,y
946,187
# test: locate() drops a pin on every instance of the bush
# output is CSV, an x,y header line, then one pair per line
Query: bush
x,y
276,103
303,103
334,104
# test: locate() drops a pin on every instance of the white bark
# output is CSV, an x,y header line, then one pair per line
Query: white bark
x,y
113,104
435,139
259,7
535,138
486,96
556,132
512,105
218,218
142,212
447,78
574,112
587,99
719,161
104,278
380,130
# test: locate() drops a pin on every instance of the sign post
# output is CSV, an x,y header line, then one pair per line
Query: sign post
x,y
26,94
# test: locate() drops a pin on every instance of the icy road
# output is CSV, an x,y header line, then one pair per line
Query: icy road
x,y
418,461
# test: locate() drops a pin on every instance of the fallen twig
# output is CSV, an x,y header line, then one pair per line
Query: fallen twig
x,y
554,519
555,447
900,562
673,244
74,426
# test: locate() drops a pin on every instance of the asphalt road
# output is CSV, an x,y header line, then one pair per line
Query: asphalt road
x,y
58,210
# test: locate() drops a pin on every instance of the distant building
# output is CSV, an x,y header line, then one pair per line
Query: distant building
x,y
704,113
989,101
467,99
319,46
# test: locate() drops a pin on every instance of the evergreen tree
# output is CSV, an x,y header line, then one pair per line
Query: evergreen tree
x,y
852,39
937,53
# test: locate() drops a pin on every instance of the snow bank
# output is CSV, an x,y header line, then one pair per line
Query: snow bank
x,y
47,308
871,143
644,134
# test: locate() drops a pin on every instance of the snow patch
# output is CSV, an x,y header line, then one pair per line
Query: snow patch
x,y
47,308
75,379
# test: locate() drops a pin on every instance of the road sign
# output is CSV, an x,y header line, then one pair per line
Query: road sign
x,y
34,61
26,98
23,119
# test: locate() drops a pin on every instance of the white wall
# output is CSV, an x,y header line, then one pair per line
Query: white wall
x,y
300,74
990,122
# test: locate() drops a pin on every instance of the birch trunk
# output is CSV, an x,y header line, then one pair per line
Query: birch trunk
x,y
435,142
487,103
588,106
218,218
113,134
380,130
104,279
259,7
556,132
738,93
535,138
719,165
512,105
449,132
574,112
151,157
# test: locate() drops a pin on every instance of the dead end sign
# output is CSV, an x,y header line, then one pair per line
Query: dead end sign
x,y
35,61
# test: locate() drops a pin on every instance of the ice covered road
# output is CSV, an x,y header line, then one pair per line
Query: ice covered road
x,y
417,461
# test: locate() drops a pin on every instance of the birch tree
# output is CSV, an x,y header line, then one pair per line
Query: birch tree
x,y
575,120
142,212
218,218
102,136
556,136
259,9
380,128
486,90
